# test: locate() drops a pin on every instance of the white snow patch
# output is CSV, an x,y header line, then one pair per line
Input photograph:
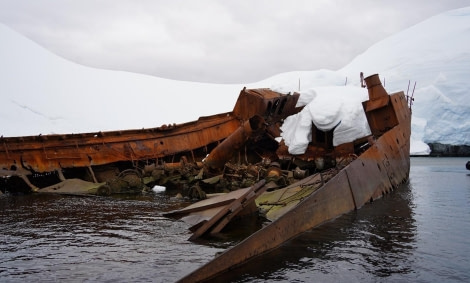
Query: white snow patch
x,y
158,189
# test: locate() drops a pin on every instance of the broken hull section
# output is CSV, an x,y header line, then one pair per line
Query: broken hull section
x,y
105,156
234,150
376,172
127,160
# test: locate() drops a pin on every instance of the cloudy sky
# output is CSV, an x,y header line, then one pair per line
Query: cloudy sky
x,y
216,41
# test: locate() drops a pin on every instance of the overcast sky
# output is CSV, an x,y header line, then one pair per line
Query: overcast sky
x,y
236,41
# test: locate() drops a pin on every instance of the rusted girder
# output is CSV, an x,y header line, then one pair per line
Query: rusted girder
x,y
224,151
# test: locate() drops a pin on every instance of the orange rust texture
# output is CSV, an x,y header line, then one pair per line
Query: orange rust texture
x,y
270,105
378,170
52,152
379,111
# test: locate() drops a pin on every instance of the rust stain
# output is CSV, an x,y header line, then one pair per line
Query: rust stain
x,y
367,176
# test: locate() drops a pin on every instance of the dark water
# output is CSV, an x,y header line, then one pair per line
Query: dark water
x,y
418,233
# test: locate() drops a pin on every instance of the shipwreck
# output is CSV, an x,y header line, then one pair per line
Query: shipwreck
x,y
237,153
358,172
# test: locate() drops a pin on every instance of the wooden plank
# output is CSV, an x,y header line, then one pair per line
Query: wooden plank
x,y
214,220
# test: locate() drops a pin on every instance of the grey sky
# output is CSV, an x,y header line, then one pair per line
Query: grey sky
x,y
214,41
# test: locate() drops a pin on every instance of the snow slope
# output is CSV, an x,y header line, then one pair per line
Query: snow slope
x,y
436,55
42,93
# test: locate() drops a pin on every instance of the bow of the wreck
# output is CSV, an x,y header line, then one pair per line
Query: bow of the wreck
x,y
376,171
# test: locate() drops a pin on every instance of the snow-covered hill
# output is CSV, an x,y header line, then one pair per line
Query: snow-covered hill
x,y
43,93
436,55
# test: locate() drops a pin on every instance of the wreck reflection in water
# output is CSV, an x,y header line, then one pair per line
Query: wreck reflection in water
x,y
373,242
419,232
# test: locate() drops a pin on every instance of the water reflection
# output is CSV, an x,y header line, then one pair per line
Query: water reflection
x,y
418,233
47,237
375,241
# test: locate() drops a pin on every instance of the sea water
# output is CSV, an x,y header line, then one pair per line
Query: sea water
x,y
417,233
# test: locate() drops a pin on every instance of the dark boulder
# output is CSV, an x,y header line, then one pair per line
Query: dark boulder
x,y
438,149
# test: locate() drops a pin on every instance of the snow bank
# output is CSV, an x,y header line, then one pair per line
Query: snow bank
x,y
45,94
434,54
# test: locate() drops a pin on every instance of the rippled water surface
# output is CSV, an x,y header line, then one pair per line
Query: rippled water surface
x,y
418,233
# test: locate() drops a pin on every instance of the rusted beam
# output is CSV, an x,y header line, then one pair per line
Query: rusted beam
x,y
224,151
216,223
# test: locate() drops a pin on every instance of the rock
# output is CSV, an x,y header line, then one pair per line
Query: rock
x,y
438,149
179,196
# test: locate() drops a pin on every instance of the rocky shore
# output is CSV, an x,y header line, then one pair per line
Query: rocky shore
x,y
438,149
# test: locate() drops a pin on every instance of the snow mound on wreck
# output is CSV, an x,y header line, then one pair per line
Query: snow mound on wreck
x,y
334,107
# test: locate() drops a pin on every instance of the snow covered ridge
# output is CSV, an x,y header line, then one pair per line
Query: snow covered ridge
x,y
43,93
434,54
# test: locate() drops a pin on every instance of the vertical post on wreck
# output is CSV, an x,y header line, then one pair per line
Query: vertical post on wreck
x,y
224,151
379,110
92,174
26,180
60,174
374,87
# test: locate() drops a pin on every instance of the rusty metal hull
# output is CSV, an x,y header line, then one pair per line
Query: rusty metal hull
x,y
53,152
169,144
46,153
374,173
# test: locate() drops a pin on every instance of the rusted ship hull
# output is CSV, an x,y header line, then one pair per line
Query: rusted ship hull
x,y
52,152
26,156
377,171
233,150
103,156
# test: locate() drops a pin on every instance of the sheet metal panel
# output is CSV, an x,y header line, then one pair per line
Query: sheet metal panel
x,y
328,202
52,152
367,176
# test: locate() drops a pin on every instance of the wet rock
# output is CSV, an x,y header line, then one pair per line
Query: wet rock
x,y
179,196
438,149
